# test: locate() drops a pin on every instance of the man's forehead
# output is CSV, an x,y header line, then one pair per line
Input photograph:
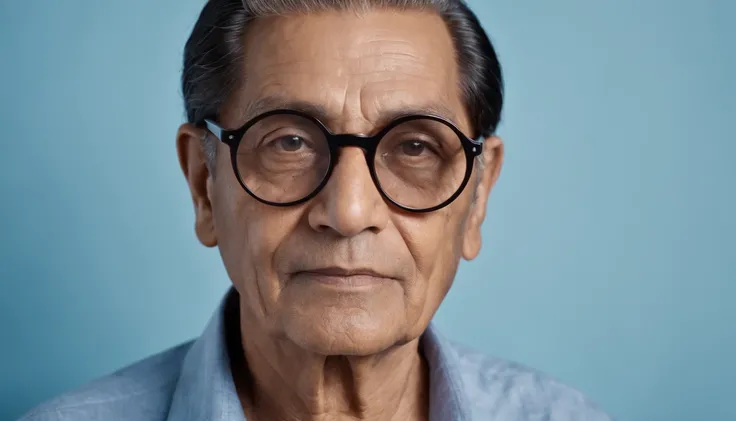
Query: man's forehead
x,y
340,61
340,31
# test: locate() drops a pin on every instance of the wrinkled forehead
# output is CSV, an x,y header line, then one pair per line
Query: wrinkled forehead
x,y
350,69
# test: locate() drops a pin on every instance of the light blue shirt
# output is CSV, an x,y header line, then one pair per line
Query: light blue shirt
x,y
193,382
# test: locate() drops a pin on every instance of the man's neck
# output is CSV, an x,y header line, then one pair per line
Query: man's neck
x,y
279,381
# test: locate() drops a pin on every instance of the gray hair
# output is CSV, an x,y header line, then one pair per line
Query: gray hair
x,y
214,54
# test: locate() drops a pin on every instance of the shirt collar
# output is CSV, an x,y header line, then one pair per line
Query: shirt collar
x,y
206,391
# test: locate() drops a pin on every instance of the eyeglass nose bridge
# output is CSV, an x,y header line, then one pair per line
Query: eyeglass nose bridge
x,y
367,143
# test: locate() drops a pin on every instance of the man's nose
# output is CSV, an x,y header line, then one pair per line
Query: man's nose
x,y
350,203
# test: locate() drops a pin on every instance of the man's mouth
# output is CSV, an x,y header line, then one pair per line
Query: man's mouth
x,y
342,277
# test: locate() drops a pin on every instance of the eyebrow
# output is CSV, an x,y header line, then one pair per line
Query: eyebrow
x,y
270,103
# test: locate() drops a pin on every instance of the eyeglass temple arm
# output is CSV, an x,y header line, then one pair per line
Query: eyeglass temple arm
x,y
214,128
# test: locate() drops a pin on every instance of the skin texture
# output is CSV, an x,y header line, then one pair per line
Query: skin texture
x,y
319,351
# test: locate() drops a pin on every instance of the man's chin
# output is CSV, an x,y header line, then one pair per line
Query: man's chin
x,y
345,332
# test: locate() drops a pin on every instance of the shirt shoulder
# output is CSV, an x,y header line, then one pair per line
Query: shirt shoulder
x,y
504,390
141,392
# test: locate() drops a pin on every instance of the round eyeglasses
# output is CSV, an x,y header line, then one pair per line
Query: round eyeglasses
x,y
420,163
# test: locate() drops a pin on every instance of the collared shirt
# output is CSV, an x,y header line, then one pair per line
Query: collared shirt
x,y
193,382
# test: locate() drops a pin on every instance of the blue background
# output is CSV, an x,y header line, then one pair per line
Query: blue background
x,y
609,259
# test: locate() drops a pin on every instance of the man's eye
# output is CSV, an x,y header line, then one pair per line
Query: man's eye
x,y
290,143
413,148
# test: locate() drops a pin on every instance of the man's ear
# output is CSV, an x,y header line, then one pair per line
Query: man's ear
x,y
490,170
194,165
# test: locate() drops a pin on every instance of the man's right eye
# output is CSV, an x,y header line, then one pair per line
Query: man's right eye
x,y
290,143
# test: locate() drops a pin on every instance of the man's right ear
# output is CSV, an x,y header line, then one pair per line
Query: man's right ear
x,y
193,161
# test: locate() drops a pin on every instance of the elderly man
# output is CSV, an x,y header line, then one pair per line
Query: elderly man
x,y
340,155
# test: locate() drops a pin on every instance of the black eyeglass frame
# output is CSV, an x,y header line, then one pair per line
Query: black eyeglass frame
x,y
369,144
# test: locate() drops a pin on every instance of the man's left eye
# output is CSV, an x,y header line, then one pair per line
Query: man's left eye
x,y
413,147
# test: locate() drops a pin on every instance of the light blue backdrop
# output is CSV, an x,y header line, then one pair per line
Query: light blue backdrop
x,y
609,260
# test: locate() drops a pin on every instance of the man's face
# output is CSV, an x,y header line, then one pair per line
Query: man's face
x,y
291,264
